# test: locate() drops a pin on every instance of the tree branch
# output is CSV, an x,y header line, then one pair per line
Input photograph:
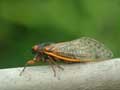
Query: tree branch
x,y
103,75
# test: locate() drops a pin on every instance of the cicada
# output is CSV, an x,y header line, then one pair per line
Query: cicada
x,y
84,49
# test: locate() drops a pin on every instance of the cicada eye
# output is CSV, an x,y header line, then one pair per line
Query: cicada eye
x,y
35,49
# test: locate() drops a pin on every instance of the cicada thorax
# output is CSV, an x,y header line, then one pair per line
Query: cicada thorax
x,y
84,48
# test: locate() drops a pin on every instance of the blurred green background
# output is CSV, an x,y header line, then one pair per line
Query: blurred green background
x,y
24,23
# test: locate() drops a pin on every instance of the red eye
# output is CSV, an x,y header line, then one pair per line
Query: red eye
x,y
35,48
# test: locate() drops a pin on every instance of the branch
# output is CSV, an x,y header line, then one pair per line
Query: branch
x,y
103,75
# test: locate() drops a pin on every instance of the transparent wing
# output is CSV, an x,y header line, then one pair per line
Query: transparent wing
x,y
83,48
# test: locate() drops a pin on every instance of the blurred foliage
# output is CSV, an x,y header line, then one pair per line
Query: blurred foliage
x,y
24,23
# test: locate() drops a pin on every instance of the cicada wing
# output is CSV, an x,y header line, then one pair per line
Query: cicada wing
x,y
83,48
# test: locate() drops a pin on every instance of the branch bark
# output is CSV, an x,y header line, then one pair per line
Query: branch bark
x,y
103,75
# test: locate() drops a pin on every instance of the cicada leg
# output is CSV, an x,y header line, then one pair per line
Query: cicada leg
x,y
53,68
52,60
30,62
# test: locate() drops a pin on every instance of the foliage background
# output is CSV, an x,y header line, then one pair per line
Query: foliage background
x,y
24,23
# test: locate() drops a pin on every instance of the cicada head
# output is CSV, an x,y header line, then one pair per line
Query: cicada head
x,y
39,48
36,49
